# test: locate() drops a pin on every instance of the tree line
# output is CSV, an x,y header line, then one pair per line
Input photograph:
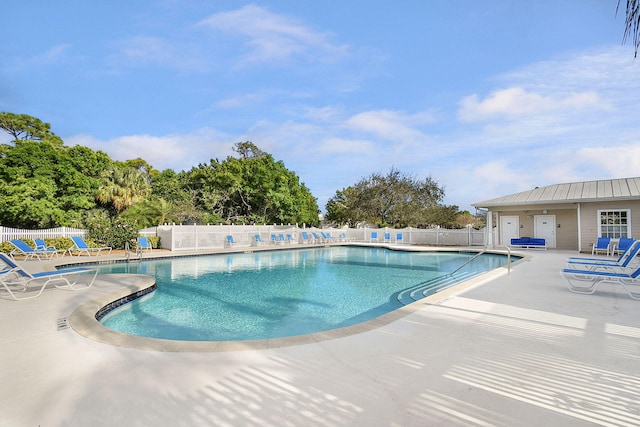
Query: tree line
x,y
44,184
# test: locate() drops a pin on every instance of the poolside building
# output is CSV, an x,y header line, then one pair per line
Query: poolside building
x,y
568,216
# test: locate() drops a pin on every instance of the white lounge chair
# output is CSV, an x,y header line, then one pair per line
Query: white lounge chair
x,y
627,259
22,248
16,279
586,281
41,245
80,246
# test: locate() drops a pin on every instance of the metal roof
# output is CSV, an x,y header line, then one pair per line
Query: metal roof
x,y
574,192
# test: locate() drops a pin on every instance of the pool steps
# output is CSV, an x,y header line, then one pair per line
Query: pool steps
x,y
432,286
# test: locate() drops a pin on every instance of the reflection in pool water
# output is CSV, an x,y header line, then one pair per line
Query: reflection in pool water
x,y
282,293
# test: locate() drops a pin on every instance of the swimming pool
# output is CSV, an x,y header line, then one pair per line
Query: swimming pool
x,y
271,294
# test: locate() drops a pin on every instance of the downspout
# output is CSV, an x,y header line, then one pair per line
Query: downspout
x,y
489,229
579,230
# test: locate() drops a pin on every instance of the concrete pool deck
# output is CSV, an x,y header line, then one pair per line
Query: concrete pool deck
x,y
518,349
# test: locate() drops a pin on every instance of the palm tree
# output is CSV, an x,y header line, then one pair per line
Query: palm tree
x,y
123,187
632,23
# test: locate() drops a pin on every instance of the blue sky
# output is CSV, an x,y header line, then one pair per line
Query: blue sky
x,y
486,97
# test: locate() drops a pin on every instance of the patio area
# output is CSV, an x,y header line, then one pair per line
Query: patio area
x,y
517,349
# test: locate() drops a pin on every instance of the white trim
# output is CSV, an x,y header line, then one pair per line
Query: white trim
x,y
628,224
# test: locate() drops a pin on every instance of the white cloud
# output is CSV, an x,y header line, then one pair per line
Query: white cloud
x,y
59,54
515,101
147,49
178,152
176,53
241,101
616,161
55,53
274,38
333,146
391,125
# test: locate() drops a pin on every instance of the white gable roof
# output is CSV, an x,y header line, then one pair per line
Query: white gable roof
x,y
588,191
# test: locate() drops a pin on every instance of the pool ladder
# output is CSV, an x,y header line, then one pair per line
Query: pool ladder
x,y
127,253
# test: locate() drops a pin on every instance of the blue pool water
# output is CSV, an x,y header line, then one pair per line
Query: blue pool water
x,y
279,293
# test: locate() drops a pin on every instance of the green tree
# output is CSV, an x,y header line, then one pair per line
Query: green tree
x,y
252,188
395,199
46,185
24,127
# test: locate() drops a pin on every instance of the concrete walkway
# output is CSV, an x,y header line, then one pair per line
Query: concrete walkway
x,y
518,350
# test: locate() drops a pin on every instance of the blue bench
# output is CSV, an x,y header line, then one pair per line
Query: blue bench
x,y
529,242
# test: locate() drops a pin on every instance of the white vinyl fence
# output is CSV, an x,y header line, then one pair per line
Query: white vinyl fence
x,y
7,233
197,237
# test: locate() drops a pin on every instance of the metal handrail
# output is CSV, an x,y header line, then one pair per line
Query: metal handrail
x,y
468,261
508,258
482,252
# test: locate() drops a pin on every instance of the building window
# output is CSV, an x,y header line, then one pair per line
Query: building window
x,y
614,223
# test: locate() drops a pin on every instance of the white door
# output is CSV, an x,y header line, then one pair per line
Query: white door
x,y
545,228
509,229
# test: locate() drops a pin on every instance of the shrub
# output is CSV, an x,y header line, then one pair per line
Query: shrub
x,y
115,233
6,247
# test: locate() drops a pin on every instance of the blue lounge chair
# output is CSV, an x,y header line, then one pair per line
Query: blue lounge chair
x,y
41,245
316,238
622,245
16,279
22,248
374,236
602,244
387,237
592,279
305,237
143,245
593,259
230,242
623,261
399,238
274,239
258,240
289,238
80,246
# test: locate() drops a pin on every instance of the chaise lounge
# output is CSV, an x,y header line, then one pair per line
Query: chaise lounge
x,y
80,246
16,279
587,281
22,248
